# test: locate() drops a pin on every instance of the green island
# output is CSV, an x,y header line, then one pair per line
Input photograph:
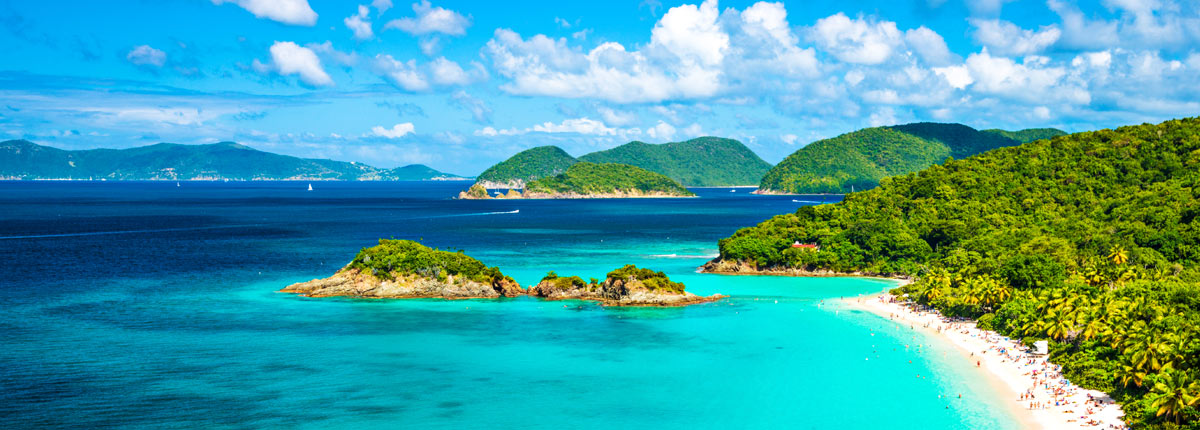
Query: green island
x,y
859,160
626,286
586,180
22,159
1029,134
699,162
402,269
407,269
1090,241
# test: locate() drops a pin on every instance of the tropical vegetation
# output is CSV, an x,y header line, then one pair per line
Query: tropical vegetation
x,y
585,178
528,165
860,159
391,259
1029,134
1090,240
651,279
700,162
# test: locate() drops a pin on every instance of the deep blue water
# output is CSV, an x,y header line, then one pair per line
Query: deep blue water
x,y
146,305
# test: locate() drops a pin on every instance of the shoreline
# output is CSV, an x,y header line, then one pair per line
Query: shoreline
x,y
1011,373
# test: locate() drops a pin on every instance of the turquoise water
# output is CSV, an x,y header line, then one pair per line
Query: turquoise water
x,y
153,307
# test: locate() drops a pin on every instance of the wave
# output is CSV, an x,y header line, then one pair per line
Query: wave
x,y
808,201
690,256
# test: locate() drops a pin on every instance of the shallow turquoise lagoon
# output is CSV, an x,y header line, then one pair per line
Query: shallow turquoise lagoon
x,y
155,307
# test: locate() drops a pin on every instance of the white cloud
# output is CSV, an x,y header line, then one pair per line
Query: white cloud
x,y
431,20
929,46
327,52
957,76
1005,38
478,108
294,12
883,116
661,131
145,55
576,125
413,77
789,139
381,5
1032,80
490,131
446,72
857,41
359,24
288,58
397,131
616,117
986,7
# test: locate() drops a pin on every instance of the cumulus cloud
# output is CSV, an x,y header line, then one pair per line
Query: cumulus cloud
x,y
397,131
858,41
576,125
695,51
293,12
431,20
414,77
288,58
145,55
359,24
1005,38
381,6
929,45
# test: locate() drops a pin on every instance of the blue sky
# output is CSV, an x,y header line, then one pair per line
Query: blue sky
x,y
459,85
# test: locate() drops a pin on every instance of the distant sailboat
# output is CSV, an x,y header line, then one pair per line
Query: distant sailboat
x,y
310,187
733,191
176,184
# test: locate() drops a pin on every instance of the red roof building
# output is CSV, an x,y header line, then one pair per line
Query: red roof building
x,y
811,246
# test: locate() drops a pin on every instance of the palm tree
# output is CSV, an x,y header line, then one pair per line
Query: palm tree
x,y
1118,255
1173,393
1131,375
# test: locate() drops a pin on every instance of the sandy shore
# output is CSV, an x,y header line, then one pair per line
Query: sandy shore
x,y
1040,396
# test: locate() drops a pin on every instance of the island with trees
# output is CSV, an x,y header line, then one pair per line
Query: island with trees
x,y
404,269
586,180
1090,241
627,286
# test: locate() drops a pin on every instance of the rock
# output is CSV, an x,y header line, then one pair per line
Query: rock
x,y
615,292
353,283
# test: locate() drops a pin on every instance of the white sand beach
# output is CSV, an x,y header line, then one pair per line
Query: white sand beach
x,y
1041,397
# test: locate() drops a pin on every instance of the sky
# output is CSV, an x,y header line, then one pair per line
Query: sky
x,y
460,85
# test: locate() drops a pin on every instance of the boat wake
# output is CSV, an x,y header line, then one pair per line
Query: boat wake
x,y
684,256
808,201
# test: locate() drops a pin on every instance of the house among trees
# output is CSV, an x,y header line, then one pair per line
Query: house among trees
x,y
811,246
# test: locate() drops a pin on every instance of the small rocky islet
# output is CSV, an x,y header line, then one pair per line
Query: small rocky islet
x,y
404,269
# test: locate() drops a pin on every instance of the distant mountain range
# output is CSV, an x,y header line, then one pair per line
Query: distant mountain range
x,y
700,162
22,159
860,159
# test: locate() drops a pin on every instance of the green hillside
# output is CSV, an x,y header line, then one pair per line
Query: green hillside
x,y
1029,134
527,165
22,159
1090,240
586,178
859,160
702,162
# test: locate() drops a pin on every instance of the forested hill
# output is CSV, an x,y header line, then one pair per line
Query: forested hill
x,y
1091,240
701,162
585,179
1029,134
525,166
21,159
859,160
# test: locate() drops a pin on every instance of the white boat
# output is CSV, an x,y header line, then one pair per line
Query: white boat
x,y
733,191
310,187
176,184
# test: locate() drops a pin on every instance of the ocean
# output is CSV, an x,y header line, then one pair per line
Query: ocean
x,y
151,305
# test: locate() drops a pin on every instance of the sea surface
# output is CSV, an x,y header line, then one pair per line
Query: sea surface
x,y
152,305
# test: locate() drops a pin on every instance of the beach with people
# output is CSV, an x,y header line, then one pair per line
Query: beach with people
x,y
1040,395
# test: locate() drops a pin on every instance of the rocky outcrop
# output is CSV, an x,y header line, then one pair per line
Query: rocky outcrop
x,y
354,283
617,292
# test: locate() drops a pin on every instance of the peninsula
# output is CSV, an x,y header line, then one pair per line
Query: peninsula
x,y
1086,241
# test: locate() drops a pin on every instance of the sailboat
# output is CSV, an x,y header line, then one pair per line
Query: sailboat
x,y
310,187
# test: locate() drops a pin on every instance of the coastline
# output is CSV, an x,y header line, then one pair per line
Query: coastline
x,y
1011,373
